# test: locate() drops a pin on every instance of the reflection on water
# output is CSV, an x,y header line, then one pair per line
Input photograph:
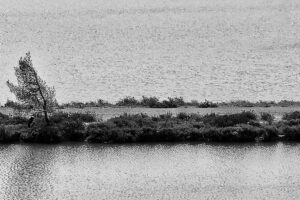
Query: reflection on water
x,y
158,171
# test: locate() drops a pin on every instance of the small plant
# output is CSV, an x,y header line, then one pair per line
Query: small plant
x,y
207,104
267,117
152,102
229,120
128,101
291,116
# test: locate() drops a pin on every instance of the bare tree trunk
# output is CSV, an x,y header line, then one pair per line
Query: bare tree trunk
x,y
44,100
46,114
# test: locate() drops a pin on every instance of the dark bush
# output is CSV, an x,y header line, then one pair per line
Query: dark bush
x,y
131,121
254,123
128,101
248,133
196,135
172,135
58,117
207,104
270,134
71,125
229,120
83,117
291,116
291,133
211,134
100,132
267,117
3,117
173,102
198,125
72,130
11,133
183,116
292,122
152,102
147,135
42,134
126,135
14,120
166,116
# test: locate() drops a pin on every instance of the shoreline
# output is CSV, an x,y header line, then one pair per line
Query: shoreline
x,y
239,127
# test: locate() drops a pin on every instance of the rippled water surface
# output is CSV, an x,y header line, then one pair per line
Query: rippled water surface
x,y
161,171
218,49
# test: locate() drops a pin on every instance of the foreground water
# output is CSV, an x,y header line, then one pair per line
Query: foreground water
x,y
218,49
161,171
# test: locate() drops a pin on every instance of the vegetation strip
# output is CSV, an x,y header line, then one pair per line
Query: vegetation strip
x,y
83,127
154,102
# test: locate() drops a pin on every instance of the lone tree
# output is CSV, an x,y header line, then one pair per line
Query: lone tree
x,y
31,90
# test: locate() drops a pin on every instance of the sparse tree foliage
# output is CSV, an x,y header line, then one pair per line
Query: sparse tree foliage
x,y
31,90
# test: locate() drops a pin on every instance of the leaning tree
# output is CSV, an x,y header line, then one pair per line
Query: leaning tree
x,y
31,90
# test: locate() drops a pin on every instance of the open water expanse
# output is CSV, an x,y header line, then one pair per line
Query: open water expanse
x,y
218,49
158,171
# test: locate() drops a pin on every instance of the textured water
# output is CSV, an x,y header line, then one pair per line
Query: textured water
x,y
162,171
218,49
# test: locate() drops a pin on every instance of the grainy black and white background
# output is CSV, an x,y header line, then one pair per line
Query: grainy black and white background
x,y
219,50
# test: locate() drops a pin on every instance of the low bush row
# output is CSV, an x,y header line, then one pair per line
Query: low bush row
x,y
239,127
154,102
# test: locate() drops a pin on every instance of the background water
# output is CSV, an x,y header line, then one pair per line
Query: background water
x,y
182,171
218,49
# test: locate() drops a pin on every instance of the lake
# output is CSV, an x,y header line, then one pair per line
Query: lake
x,y
217,50
150,171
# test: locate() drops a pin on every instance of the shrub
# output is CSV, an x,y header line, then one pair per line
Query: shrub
x,y
254,123
100,132
152,102
267,117
11,133
128,101
58,117
193,103
207,104
126,135
291,133
286,103
3,117
42,133
229,134
292,122
166,116
292,115
72,130
83,117
173,102
248,133
7,120
211,134
196,135
229,120
71,125
270,134
172,135
183,116
148,135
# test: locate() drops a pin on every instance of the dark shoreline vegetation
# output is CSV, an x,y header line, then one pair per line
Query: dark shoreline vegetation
x,y
141,128
154,102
